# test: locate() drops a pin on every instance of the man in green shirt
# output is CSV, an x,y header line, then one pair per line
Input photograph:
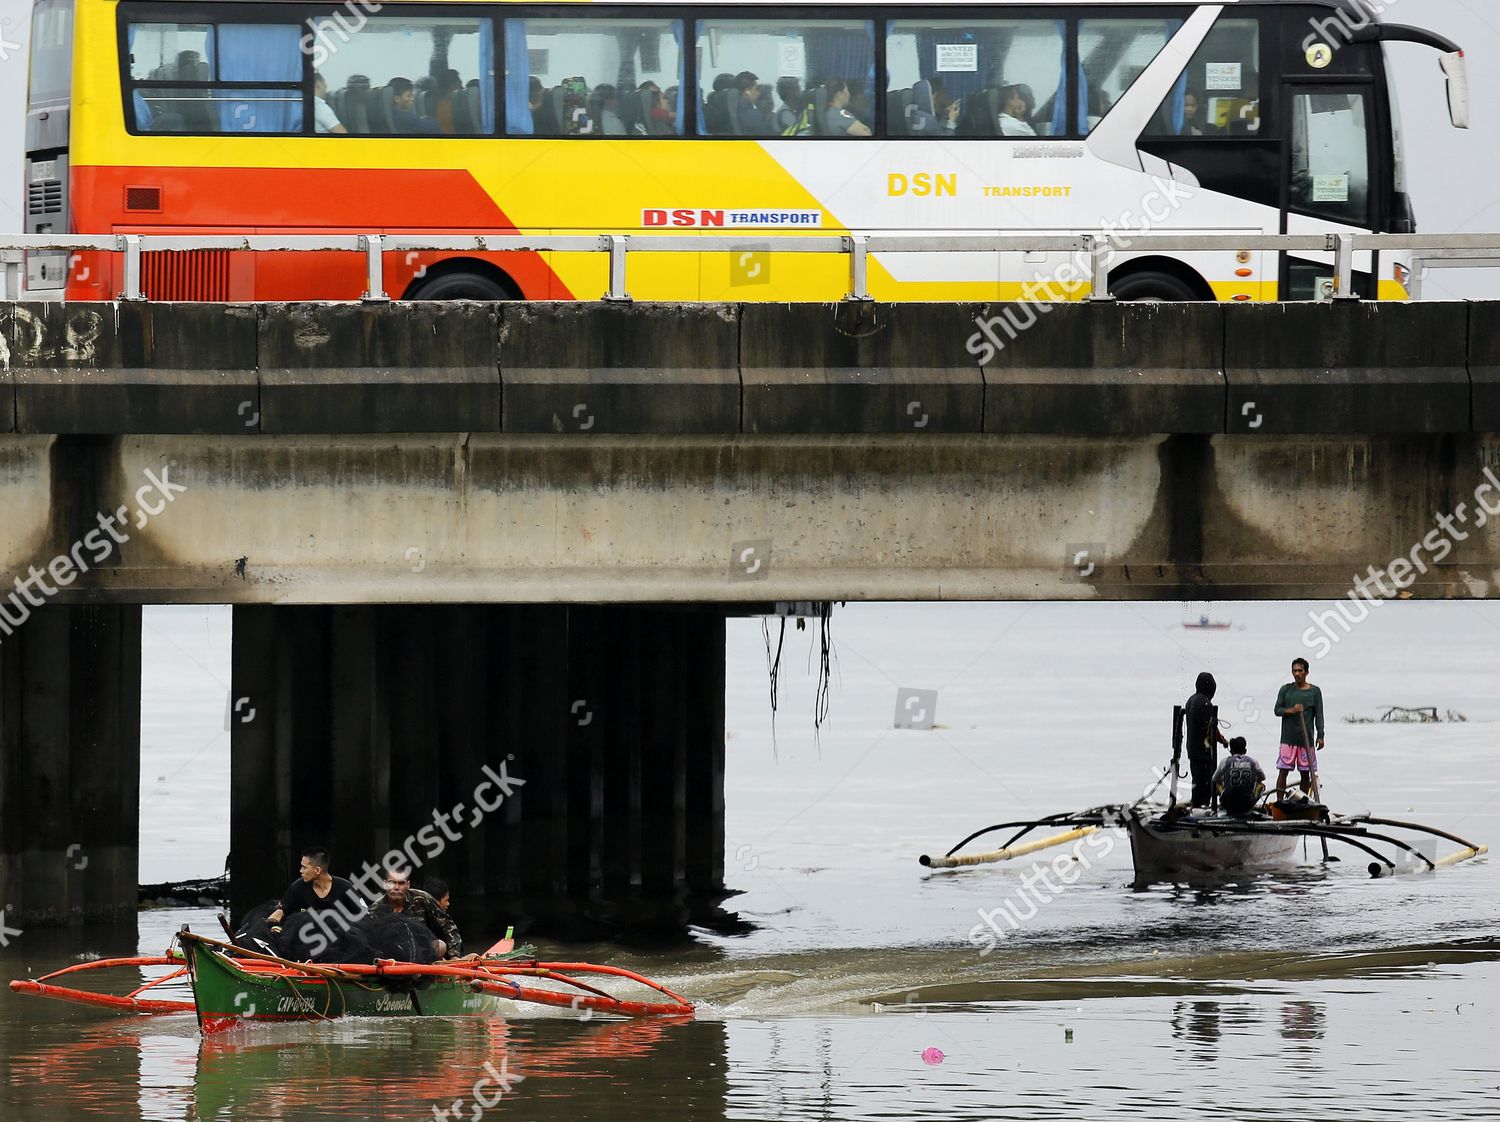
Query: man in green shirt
x,y
1300,707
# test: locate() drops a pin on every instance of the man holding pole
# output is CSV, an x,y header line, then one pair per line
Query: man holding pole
x,y
1300,707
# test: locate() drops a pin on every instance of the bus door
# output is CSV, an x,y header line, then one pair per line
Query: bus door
x,y
1331,182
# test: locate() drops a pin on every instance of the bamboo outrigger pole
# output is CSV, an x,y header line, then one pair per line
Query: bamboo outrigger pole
x,y
1006,854
1461,855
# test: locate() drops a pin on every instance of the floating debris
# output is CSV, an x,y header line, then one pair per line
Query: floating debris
x,y
1404,715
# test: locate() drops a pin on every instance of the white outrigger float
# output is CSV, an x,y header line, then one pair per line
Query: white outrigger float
x,y
1170,841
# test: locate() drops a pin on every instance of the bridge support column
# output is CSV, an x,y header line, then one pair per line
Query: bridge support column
x,y
556,764
70,760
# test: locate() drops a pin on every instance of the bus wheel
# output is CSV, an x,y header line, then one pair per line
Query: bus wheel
x,y
462,286
1153,287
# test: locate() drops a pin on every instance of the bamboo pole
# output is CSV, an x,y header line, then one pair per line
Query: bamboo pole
x,y
1461,855
1006,854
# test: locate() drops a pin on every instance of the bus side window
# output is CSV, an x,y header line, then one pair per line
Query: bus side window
x,y
179,75
976,78
619,78
1112,54
763,78
403,75
1219,92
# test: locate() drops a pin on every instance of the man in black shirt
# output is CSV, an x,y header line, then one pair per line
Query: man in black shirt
x,y
1202,737
317,891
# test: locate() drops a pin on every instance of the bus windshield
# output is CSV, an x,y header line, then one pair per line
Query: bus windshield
x,y
51,51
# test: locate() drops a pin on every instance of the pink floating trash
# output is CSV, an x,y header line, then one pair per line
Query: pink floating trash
x,y
932,1056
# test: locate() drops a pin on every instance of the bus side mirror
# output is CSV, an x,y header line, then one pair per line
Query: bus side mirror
x,y
1456,67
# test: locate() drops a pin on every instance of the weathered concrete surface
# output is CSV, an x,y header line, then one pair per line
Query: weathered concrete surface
x,y
859,368
123,368
335,368
1112,369
499,518
1484,364
70,732
588,370
602,368
1348,367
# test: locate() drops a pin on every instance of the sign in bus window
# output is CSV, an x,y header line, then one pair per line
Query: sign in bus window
x,y
976,78
808,78
405,75
594,78
1331,157
1219,92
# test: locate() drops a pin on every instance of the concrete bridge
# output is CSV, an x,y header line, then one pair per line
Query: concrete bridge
x,y
461,535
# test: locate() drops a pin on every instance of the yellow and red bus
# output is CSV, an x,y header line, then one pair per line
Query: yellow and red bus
x,y
466,116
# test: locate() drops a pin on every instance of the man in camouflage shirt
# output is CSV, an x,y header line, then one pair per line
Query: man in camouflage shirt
x,y
401,898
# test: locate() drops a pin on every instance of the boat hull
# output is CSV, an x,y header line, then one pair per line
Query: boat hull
x,y
231,993
1181,849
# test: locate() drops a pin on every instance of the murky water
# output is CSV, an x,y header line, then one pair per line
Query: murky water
x,y
872,989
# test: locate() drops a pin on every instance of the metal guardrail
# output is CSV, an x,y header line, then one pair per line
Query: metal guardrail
x,y
1428,250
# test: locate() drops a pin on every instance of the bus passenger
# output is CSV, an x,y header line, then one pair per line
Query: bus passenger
x,y
1192,118
325,120
403,118
749,118
446,87
789,116
838,120
541,123
1016,107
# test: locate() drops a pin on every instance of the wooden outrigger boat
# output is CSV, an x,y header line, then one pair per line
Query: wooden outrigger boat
x,y
232,987
1174,840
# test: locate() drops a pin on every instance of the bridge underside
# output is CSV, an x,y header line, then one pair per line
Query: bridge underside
x,y
535,519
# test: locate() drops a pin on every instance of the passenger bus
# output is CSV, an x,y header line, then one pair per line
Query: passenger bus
x,y
470,116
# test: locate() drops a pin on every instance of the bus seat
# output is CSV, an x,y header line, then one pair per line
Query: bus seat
x,y
631,112
982,113
896,104
820,111
472,103
718,112
356,93
378,109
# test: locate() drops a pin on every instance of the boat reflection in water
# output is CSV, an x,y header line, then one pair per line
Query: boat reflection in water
x,y
1203,1025
368,1068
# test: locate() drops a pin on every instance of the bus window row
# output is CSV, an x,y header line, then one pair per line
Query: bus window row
x,y
398,75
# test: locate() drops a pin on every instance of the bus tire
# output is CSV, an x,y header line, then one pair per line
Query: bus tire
x,y
462,284
1152,286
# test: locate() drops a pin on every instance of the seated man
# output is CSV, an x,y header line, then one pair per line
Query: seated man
x,y
402,899
403,116
317,891
438,890
838,121
1239,780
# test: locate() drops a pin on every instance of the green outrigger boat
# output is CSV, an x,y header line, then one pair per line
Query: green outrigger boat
x,y
232,987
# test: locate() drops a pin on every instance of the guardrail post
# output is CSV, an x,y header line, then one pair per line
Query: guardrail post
x,y
1343,267
14,259
1098,251
618,246
131,245
374,246
1414,282
857,246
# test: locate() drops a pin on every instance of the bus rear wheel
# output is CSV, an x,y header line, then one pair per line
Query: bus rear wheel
x,y
1152,287
462,286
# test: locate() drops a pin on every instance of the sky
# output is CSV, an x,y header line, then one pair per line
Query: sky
x,y
1454,176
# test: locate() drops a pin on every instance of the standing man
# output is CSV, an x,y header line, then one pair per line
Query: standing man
x,y
1300,707
1203,738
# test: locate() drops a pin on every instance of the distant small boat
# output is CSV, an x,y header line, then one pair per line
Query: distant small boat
x,y
1206,624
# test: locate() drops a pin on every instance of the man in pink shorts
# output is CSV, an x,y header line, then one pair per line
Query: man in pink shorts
x,y
1300,707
